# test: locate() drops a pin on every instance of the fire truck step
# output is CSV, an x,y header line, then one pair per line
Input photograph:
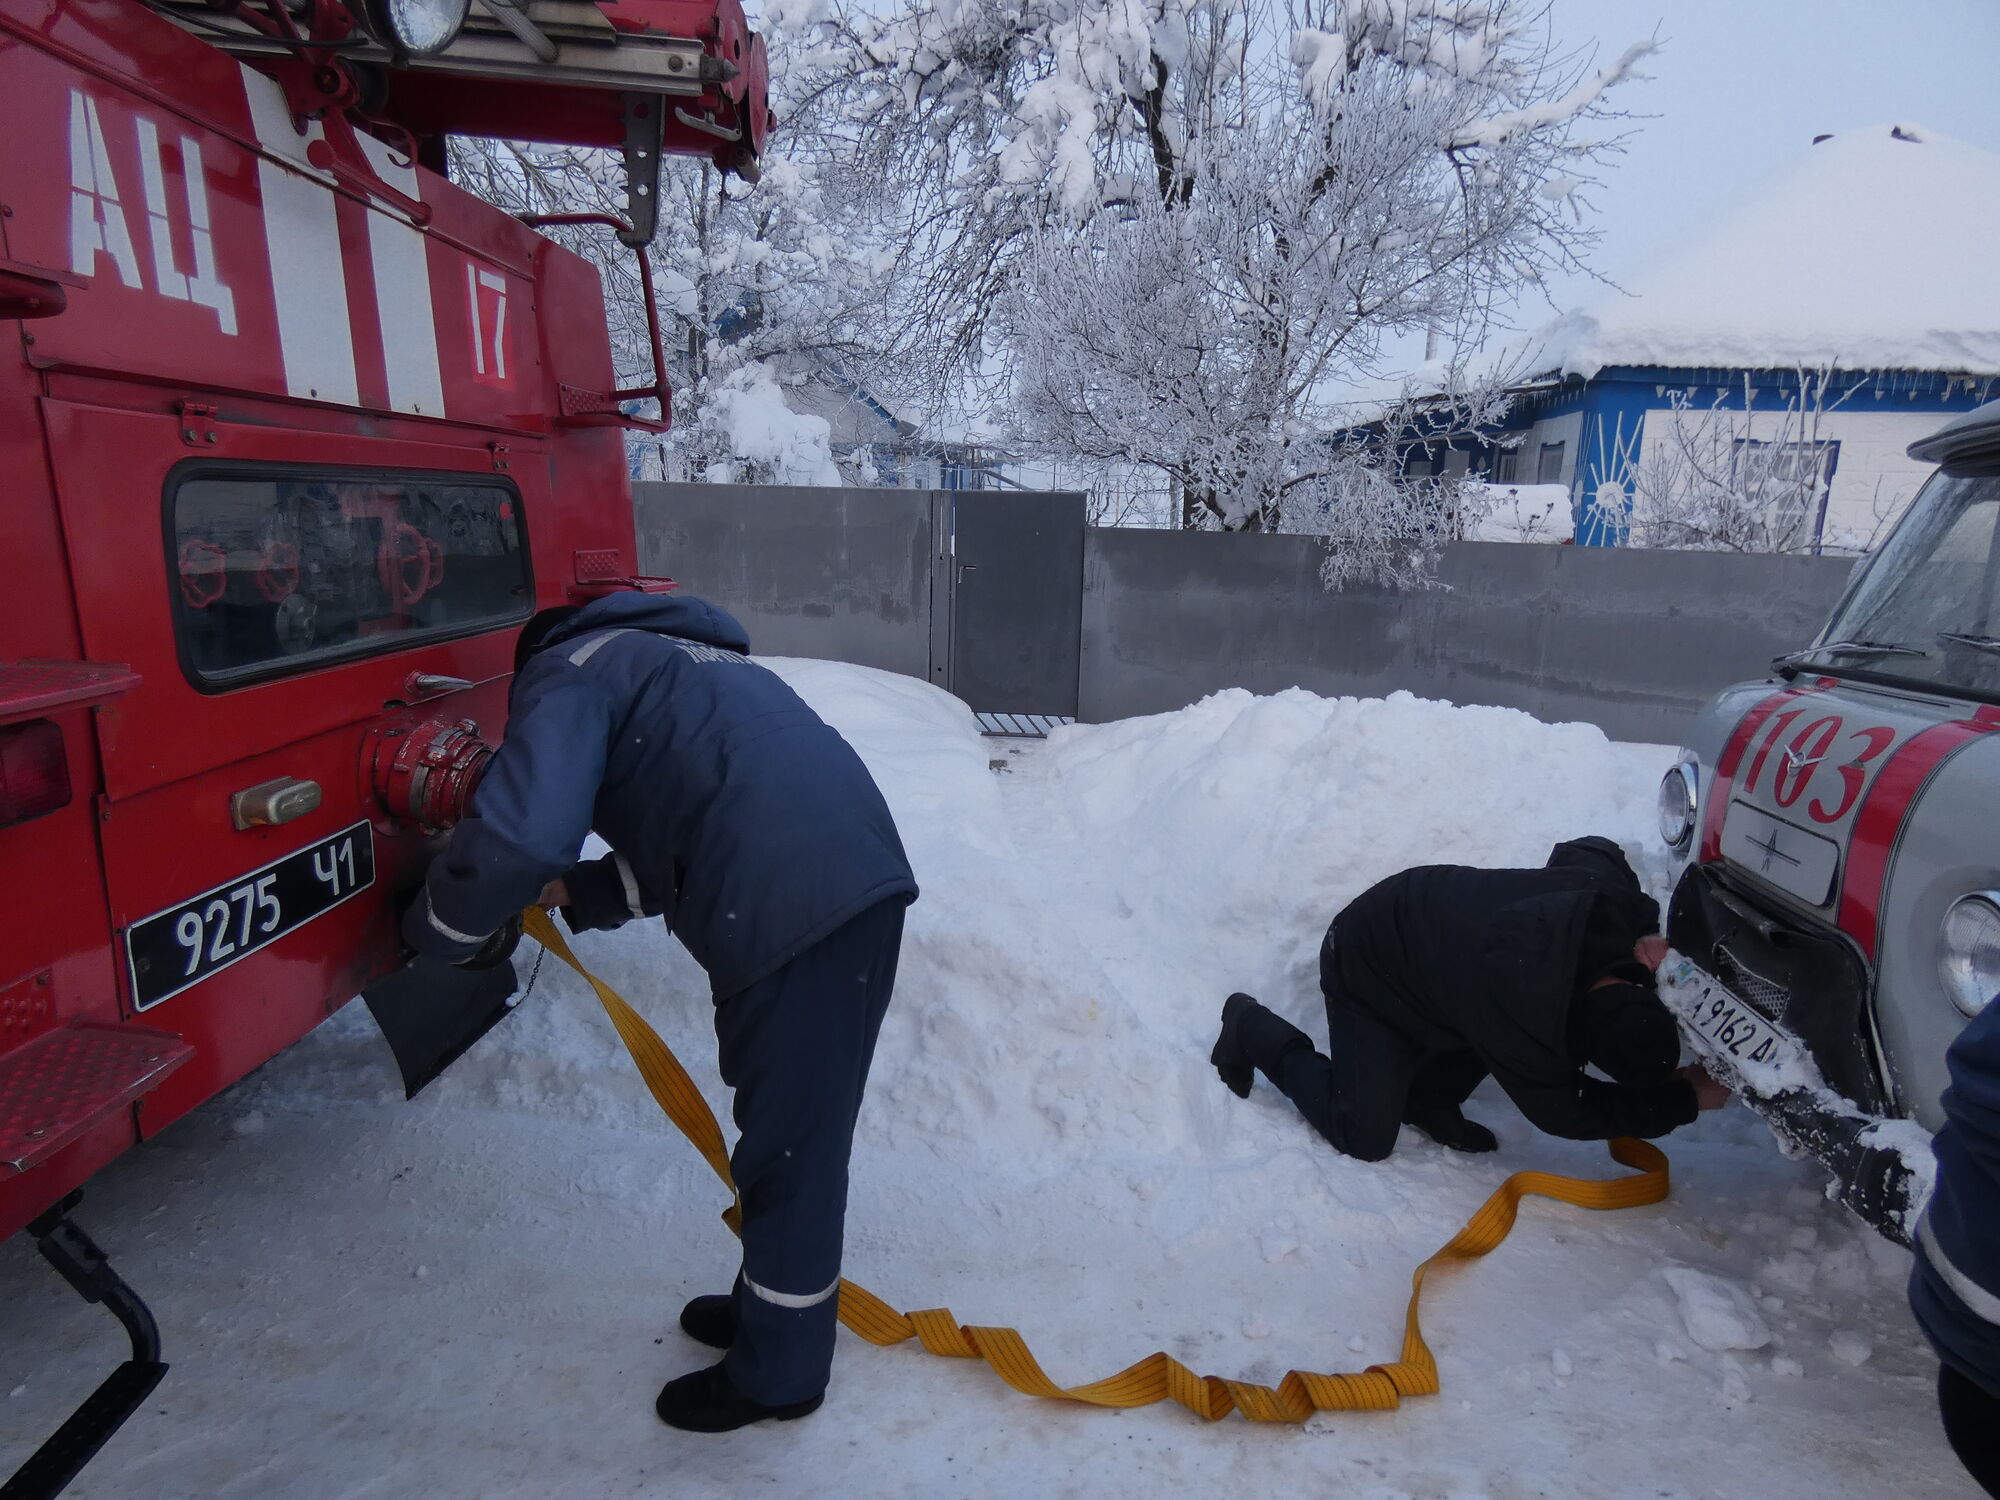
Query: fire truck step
x,y
57,1086
48,1472
79,1261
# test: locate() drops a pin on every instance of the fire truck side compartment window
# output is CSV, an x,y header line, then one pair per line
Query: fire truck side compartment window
x,y
1938,574
277,571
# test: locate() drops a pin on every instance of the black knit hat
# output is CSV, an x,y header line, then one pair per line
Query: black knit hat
x,y
538,629
1627,1034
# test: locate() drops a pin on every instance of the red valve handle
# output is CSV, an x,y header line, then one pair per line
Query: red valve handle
x,y
409,564
204,573
278,571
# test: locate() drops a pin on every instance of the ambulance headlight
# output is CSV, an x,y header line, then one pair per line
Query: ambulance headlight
x,y
419,27
1677,805
1969,963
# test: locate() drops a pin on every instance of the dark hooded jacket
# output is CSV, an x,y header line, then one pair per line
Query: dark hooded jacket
x,y
734,811
1492,961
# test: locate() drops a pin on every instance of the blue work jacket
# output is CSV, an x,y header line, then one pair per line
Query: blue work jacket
x,y
1955,1288
734,811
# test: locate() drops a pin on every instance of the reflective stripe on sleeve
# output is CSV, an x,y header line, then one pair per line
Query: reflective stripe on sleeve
x,y
431,916
631,883
1970,1292
787,1299
592,646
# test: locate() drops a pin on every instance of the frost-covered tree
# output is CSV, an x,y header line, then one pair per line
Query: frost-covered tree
x,y
757,286
1175,233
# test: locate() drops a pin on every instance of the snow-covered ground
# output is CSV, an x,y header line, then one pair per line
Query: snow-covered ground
x,y
475,1295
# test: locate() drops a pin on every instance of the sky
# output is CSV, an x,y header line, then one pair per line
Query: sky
x,y
1741,87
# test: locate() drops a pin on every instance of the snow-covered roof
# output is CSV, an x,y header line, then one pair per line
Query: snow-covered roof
x,y
1879,250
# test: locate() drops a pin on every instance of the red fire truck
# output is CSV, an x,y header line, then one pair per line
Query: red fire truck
x,y
294,434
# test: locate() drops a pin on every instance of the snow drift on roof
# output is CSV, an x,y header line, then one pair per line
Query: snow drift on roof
x,y
1878,251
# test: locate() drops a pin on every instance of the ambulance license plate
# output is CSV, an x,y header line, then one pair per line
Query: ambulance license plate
x,y
182,946
1732,1027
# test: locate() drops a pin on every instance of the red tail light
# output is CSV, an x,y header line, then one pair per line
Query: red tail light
x,y
34,771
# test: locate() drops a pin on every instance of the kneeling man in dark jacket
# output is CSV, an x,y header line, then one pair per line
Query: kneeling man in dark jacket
x,y
1442,974
753,828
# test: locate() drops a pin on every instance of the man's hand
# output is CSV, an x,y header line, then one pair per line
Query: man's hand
x,y
1708,1094
555,893
1651,951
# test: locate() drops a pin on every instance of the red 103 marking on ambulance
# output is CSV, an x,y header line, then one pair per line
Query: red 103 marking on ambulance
x,y
1854,773
1800,759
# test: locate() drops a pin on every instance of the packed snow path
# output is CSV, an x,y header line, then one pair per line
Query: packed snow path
x,y
475,1295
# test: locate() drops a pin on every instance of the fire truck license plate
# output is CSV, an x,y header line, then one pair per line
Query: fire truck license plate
x,y
183,945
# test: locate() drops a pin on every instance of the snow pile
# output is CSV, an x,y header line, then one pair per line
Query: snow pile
x,y
1717,1314
474,1295
1521,513
750,408
1874,253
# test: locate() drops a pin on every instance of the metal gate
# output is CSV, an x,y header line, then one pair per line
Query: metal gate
x,y
1007,604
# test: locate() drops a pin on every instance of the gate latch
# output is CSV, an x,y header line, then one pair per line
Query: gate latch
x,y
198,424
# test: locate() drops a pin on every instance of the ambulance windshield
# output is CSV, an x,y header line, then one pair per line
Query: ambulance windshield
x,y
1928,609
278,571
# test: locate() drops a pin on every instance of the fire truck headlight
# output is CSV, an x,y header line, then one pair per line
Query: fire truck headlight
x,y
1677,804
1969,960
420,27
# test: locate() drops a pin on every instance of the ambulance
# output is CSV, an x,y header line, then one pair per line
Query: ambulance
x,y
1836,833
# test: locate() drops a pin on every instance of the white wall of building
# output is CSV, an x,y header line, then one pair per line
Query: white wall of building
x,y
1873,478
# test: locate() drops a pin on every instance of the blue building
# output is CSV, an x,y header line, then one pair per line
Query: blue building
x,y
1813,335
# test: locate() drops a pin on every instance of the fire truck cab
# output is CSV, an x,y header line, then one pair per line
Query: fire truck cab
x,y
1837,828
294,434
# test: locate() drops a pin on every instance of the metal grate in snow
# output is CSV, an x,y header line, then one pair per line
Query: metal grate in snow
x,y
1021,726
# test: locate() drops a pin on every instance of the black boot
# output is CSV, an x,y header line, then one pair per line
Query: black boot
x,y
711,1320
1447,1125
1230,1060
705,1401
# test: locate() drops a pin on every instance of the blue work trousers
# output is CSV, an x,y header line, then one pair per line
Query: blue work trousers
x,y
795,1047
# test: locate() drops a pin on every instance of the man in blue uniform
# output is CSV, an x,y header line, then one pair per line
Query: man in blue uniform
x,y
1955,1286
738,815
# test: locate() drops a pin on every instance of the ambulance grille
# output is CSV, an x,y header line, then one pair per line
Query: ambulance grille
x,y
1766,995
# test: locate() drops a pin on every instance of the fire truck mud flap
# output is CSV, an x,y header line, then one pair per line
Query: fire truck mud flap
x,y
431,1013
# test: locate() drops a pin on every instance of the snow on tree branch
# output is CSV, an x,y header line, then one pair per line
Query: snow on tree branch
x,y
1499,129
759,290
1176,235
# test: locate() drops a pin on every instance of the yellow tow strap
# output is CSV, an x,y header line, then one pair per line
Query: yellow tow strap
x,y
1159,1376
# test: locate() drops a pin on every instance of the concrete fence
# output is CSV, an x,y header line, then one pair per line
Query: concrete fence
x,y
1633,641
838,574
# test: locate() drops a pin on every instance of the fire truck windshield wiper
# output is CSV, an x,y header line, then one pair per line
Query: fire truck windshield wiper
x,y
1977,642
1846,648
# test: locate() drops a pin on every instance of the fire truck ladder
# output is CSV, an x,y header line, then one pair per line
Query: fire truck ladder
x,y
75,1255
